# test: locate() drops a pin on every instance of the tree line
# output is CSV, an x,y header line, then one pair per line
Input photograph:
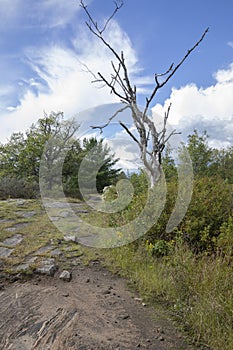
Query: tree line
x,y
20,158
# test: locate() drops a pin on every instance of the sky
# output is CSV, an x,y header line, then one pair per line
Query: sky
x,y
47,53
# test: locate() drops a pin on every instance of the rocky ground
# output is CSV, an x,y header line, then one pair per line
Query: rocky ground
x,y
51,300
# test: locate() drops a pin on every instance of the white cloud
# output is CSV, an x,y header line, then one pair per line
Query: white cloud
x,y
208,108
126,149
230,43
224,75
67,86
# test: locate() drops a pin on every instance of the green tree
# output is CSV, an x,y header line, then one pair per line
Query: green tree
x,y
98,158
20,157
200,153
168,164
223,163
10,155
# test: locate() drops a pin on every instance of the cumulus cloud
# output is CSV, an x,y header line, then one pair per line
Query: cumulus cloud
x,y
208,108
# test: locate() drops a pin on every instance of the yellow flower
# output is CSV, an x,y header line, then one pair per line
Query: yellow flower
x,y
119,234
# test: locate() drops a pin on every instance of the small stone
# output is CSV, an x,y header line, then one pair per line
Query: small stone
x,y
123,316
65,295
70,239
105,292
144,304
48,268
160,330
65,276
87,280
161,338
138,299
22,267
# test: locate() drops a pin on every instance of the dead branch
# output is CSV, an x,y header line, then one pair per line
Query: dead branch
x,y
130,133
172,71
120,85
101,127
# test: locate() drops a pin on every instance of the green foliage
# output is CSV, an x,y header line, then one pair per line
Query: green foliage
x,y
99,164
200,153
210,207
223,164
159,248
224,241
168,165
14,187
20,157
10,162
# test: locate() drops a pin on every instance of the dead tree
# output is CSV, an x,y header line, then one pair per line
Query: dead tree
x,y
151,142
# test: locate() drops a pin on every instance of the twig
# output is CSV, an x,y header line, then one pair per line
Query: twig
x,y
101,127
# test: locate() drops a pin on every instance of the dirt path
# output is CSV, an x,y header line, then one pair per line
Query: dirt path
x,y
94,311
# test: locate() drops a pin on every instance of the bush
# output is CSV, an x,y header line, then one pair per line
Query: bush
x,y
224,242
210,207
14,187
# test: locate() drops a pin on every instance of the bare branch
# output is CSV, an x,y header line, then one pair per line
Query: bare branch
x,y
117,8
151,142
172,71
117,78
112,88
130,133
163,132
174,132
165,73
101,127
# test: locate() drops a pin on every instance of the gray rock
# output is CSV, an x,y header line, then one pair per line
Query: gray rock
x,y
42,250
65,214
22,267
48,267
56,252
65,276
5,252
82,211
55,218
32,259
70,238
59,205
2,221
26,214
20,202
13,241
17,227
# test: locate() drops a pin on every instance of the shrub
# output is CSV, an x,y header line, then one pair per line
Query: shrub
x,y
14,187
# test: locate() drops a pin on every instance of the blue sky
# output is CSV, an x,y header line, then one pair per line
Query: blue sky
x,y
44,43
